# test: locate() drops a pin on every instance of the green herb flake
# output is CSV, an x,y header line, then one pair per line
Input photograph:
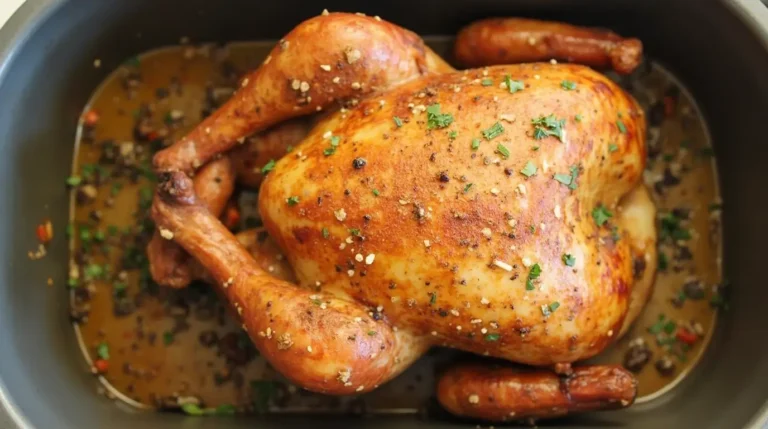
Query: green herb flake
x,y
612,148
292,200
355,232
601,215
513,85
663,262
102,350
535,148
670,327
565,179
329,151
435,119
398,121
532,228
621,126
545,126
335,140
503,151
192,409
548,309
371,333
574,175
115,189
671,228
529,169
475,144
375,192
533,274
432,298
168,337
467,187
94,271
577,118
269,166
288,149
492,337
486,82
452,135
494,131
554,306
657,327
569,260
74,180
568,85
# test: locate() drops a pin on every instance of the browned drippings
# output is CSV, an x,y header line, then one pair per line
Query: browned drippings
x,y
176,346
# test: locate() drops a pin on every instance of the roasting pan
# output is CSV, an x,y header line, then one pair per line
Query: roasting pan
x,y
718,49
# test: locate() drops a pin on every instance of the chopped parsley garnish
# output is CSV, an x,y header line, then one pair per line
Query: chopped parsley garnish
x,y
325,232
168,337
99,235
565,179
224,410
492,337
621,126
568,85
292,200
486,82
398,121
577,118
569,260
375,192
467,187
115,189
529,169
503,150
533,274
435,119
475,144
432,298
545,126
355,232
663,262
371,333
612,148
269,166
94,271
452,135
671,228
535,148
85,234
601,215
547,310
615,234
102,350
192,409
335,140
288,149
74,180
532,228
513,85
494,131
569,179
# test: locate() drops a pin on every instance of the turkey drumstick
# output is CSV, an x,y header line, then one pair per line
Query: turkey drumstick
x,y
331,58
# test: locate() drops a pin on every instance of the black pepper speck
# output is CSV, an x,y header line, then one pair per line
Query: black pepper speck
x,y
359,163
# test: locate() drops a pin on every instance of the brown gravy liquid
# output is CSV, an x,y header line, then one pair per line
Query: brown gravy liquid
x,y
165,348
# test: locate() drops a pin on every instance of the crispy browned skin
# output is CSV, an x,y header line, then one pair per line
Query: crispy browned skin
x,y
258,150
364,54
323,343
516,40
169,263
499,394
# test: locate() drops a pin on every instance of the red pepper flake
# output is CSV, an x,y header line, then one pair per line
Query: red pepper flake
x,y
101,365
232,217
44,232
90,118
686,336
669,106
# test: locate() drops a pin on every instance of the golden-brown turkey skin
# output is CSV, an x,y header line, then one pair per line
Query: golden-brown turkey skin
x,y
517,40
499,394
169,264
440,246
330,58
